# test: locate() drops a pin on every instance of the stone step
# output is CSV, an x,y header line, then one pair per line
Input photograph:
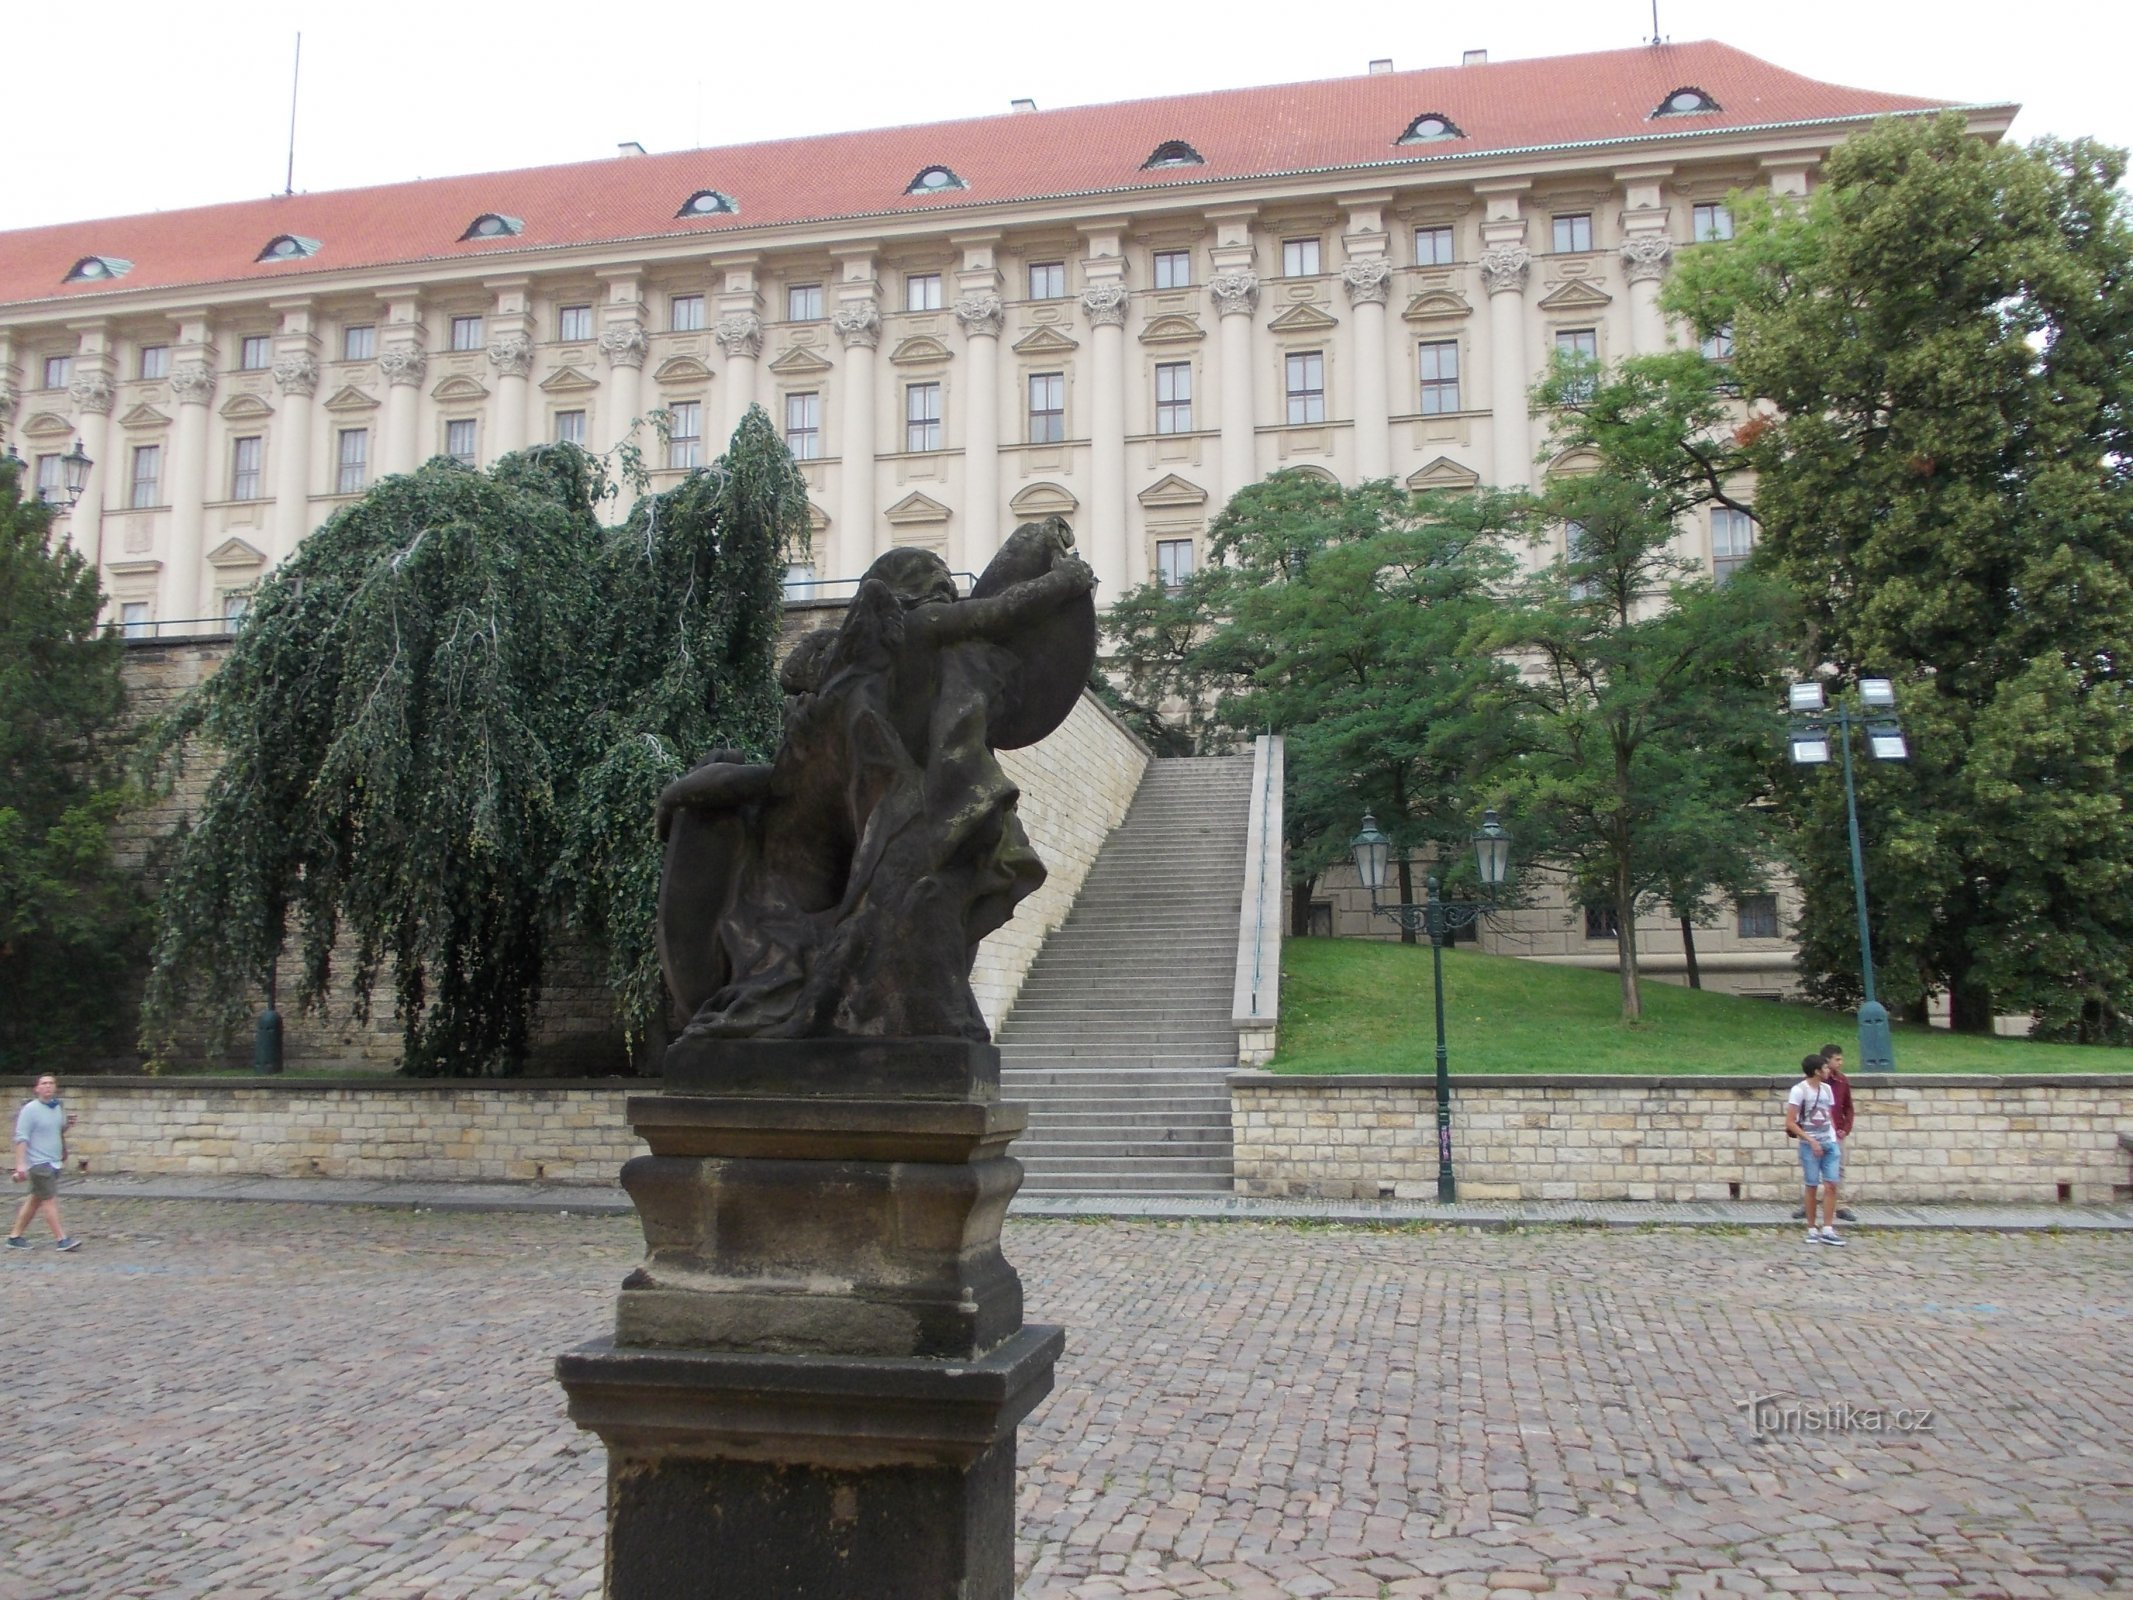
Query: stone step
x,y
1037,1185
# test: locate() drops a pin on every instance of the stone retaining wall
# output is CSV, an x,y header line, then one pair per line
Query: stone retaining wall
x,y
1922,1138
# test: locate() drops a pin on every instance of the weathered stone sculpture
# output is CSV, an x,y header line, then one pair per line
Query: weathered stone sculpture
x,y
817,1371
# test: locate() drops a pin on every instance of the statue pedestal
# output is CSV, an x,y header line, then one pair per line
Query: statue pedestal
x,y
816,1374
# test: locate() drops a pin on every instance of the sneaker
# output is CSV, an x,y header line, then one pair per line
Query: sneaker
x,y
1814,1236
1829,1236
67,1244
15,1241
1845,1216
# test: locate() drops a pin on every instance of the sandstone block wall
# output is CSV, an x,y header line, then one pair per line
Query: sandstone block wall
x,y
1604,1139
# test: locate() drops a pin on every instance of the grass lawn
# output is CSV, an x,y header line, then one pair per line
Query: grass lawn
x,y
1355,1005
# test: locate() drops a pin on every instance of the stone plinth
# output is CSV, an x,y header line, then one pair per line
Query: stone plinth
x,y
817,1371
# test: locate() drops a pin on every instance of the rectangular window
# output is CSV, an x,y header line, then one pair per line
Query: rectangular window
x,y
1440,377
352,462
359,342
1580,347
1173,562
685,313
459,440
1173,269
574,322
803,426
244,468
1602,923
466,333
922,416
570,427
1173,397
1732,541
1047,407
685,433
1433,247
1573,233
922,291
1717,345
1306,385
58,371
803,302
133,620
1711,222
1047,280
155,360
236,606
1758,916
1299,258
51,479
256,353
799,581
147,476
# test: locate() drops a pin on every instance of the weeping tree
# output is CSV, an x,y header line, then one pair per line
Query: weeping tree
x,y
441,733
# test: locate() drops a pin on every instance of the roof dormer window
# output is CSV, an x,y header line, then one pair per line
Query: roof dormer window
x,y
1686,101
98,269
934,180
1174,153
1430,127
709,203
288,247
489,225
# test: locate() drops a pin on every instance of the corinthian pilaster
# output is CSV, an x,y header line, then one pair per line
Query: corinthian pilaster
x,y
402,364
1504,268
511,355
192,383
624,345
296,375
981,315
858,324
1106,304
1368,280
1645,257
92,393
740,335
1236,291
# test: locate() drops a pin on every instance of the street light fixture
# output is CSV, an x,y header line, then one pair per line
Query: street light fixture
x,y
1438,918
1809,738
74,468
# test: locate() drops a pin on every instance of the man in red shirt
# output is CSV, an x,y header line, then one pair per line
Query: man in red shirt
x,y
1841,1114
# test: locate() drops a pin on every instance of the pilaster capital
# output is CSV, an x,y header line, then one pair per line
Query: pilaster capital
x,y
402,364
623,344
1504,268
192,382
10,397
1645,256
511,354
1236,291
297,374
91,392
981,314
858,324
1368,280
740,335
1106,304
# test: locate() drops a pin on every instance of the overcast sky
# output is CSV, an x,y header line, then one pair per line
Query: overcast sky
x,y
128,106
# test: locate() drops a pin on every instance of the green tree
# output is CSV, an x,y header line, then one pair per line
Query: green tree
x,y
70,921
443,729
1944,332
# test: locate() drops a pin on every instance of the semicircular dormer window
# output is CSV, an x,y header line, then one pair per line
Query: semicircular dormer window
x,y
489,225
1174,153
709,203
98,269
1430,127
288,247
934,180
1686,101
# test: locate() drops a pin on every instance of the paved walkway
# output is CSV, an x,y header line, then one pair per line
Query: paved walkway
x,y
253,1401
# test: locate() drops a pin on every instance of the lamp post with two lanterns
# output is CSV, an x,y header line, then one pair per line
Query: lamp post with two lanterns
x,y
1438,918
73,472
1814,721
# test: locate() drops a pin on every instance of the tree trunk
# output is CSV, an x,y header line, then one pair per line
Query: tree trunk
x,y
1626,943
1688,947
1299,907
1407,897
1969,1004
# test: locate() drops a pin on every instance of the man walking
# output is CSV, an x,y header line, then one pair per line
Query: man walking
x,y
40,1153
1841,1117
1810,1118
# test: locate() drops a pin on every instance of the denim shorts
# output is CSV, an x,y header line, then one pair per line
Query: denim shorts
x,y
1819,1169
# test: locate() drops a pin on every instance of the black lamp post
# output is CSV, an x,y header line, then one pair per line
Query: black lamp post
x,y
1813,721
74,468
1438,918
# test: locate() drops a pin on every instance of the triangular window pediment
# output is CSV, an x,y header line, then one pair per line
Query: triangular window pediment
x,y
1173,329
351,399
916,510
1304,318
459,388
1443,473
1043,500
681,369
1438,305
245,408
1172,490
919,350
567,380
236,553
47,425
143,416
800,361
1576,295
1044,341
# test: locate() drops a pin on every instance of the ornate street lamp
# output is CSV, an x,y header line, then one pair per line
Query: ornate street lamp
x,y
1813,723
1438,918
74,469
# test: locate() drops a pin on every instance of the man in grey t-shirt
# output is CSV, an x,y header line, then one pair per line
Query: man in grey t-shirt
x,y
40,1154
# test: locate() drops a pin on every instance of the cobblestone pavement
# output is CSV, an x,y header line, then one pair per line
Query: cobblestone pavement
x,y
251,1401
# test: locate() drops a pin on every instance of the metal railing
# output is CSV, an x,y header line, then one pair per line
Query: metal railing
x,y
1256,1005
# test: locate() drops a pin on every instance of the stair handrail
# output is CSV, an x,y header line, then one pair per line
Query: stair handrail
x,y
1256,1006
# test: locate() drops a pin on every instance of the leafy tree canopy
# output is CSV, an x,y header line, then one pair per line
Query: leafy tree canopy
x,y
444,726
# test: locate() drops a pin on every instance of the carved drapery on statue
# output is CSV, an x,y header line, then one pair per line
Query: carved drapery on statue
x,y
843,888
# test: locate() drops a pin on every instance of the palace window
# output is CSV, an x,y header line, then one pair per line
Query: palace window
x,y
570,427
133,620
359,342
685,314
1440,377
491,226
1047,407
1430,127
934,180
98,269
459,440
245,457
236,606
147,487
685,434
1732,541
922,416
1305,382
574,322
255,354
1685,102
922,291
58,371
803,425
1173,269
288,247
1433,247
466,333
1299,258
1756,916
155,360
803,302
1579,348
1173,563
1047,280
1573,233
1711,222
1173,397
1717,345
352,461
1602,923
1174,153
51,479
708,203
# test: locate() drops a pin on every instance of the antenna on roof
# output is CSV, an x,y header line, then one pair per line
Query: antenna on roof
x,y
1655,39
295,73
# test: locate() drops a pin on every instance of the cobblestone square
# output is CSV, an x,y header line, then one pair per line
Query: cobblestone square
x,y
250,1401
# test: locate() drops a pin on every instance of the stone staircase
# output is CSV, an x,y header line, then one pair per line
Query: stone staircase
x,y
1120,1042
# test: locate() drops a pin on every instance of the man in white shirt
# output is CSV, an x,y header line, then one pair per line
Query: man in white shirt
x,y
40,1153
1810,1117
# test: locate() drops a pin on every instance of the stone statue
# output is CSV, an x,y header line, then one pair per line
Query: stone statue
x,y
842,889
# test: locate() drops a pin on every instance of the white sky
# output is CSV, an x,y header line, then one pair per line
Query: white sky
x,y
144,104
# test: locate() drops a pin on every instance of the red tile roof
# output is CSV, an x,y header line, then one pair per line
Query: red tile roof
x,y
1334,124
